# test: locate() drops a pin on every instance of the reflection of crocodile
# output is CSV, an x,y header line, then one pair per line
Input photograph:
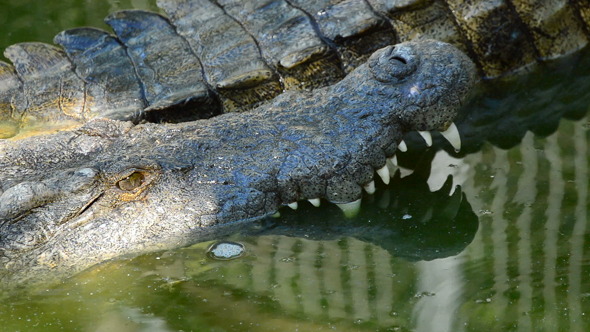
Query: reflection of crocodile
x,y
73,199
232,54
320,266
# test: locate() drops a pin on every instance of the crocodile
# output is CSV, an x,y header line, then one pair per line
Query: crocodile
x,y
72,199
208,57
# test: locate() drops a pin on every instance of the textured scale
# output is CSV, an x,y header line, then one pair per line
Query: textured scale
x,y
355,29
231,59
10,87
170,72
52,94
112,89
216,56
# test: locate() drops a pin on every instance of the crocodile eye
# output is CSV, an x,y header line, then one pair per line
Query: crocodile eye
x,y
131,182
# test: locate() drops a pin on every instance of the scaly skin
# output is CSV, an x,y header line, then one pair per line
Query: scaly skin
x,y
207,57
113,189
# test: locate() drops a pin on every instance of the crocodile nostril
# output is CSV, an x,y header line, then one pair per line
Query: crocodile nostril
x,y
396,54
394,64
400,59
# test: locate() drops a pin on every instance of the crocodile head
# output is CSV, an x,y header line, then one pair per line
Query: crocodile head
x,y
159,186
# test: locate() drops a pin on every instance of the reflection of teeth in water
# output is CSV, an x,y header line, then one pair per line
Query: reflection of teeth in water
x,y
393,165
350,209
436,180
445,165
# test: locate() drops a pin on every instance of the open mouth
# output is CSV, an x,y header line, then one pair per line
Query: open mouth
x,y
350,209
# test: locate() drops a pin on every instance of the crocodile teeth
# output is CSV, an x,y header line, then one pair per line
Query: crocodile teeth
x,y
315,202
384,174
403,172
452,135
427,137
370,187
276,215
293,205
393,160
402,146
350,209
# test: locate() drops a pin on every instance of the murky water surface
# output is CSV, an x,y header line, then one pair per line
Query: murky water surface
x,y
506,251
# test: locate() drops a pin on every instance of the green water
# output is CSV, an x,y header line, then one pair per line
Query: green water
x,y
507,251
